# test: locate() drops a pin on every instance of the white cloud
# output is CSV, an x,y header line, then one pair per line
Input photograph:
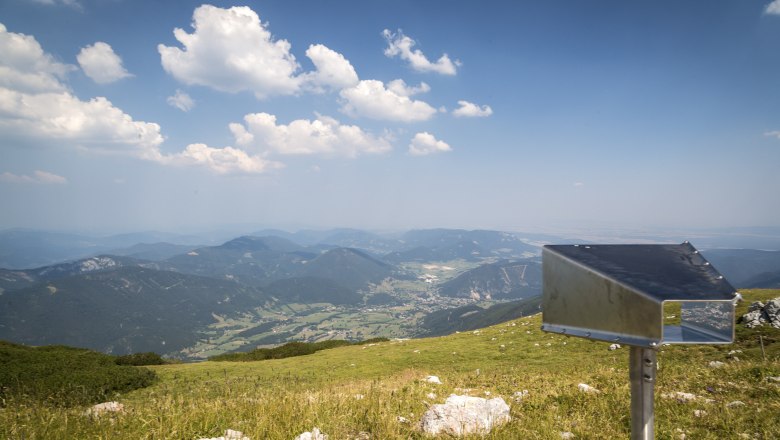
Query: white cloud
x,y
425,143
181,101
578,184
75,4
400,45
37,108
95,124
773,134
38,177
323,135
399,87
333,70
24,66
222,160
101,64
471,110
231,50
371,99
773,8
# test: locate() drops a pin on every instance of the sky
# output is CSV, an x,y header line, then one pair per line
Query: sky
x,y
119,115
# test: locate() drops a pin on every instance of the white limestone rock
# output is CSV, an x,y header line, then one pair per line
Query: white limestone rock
x,y
463,415
433,379
585,388
105,407
314,434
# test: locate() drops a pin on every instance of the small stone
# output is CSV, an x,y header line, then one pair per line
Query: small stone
x,y
567,435
735,403
433,379
699,413
229,435
518,396
431,396
716,364
402,419
585,388
614,347
105,407
680,396
314,434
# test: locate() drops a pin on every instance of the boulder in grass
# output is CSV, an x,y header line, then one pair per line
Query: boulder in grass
x,y
759,314
463,415
433,379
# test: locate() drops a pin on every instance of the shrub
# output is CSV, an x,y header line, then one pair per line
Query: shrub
x,y
65,376
290,349
139,359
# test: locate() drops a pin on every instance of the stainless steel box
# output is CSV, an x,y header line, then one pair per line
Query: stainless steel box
x,y
617,293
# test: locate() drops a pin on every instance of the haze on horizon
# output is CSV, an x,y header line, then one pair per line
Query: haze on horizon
x,y
180,116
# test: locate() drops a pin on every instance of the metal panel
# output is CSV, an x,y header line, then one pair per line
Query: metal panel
x,y
616,293
581,302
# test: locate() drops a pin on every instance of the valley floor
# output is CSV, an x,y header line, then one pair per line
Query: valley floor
x,y
379,391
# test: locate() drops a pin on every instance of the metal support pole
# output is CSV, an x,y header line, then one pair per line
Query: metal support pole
x,y
642,370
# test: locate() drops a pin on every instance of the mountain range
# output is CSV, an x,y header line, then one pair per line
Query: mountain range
x,y
152,295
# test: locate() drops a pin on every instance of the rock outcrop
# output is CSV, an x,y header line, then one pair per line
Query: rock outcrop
x,y
759,314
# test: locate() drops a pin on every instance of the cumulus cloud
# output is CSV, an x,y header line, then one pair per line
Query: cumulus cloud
x,y
424,143
333,70
63,117
36,107
370,98
25,67
231,50
323,135
399,87
773,8
38,177
223,160
181,101
101,64
471,110
400,45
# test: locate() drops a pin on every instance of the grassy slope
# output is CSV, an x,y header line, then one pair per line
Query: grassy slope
x,y
350,390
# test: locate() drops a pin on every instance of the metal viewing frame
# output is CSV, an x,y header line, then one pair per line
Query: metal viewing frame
x,y
616,293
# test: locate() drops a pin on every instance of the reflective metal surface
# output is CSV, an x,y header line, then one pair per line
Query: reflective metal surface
x,y
616,293
642,372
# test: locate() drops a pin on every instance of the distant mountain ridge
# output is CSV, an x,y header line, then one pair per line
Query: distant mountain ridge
x,y
501,280
124,309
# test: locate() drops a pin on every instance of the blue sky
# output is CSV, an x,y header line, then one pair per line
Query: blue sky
x,y
133,115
